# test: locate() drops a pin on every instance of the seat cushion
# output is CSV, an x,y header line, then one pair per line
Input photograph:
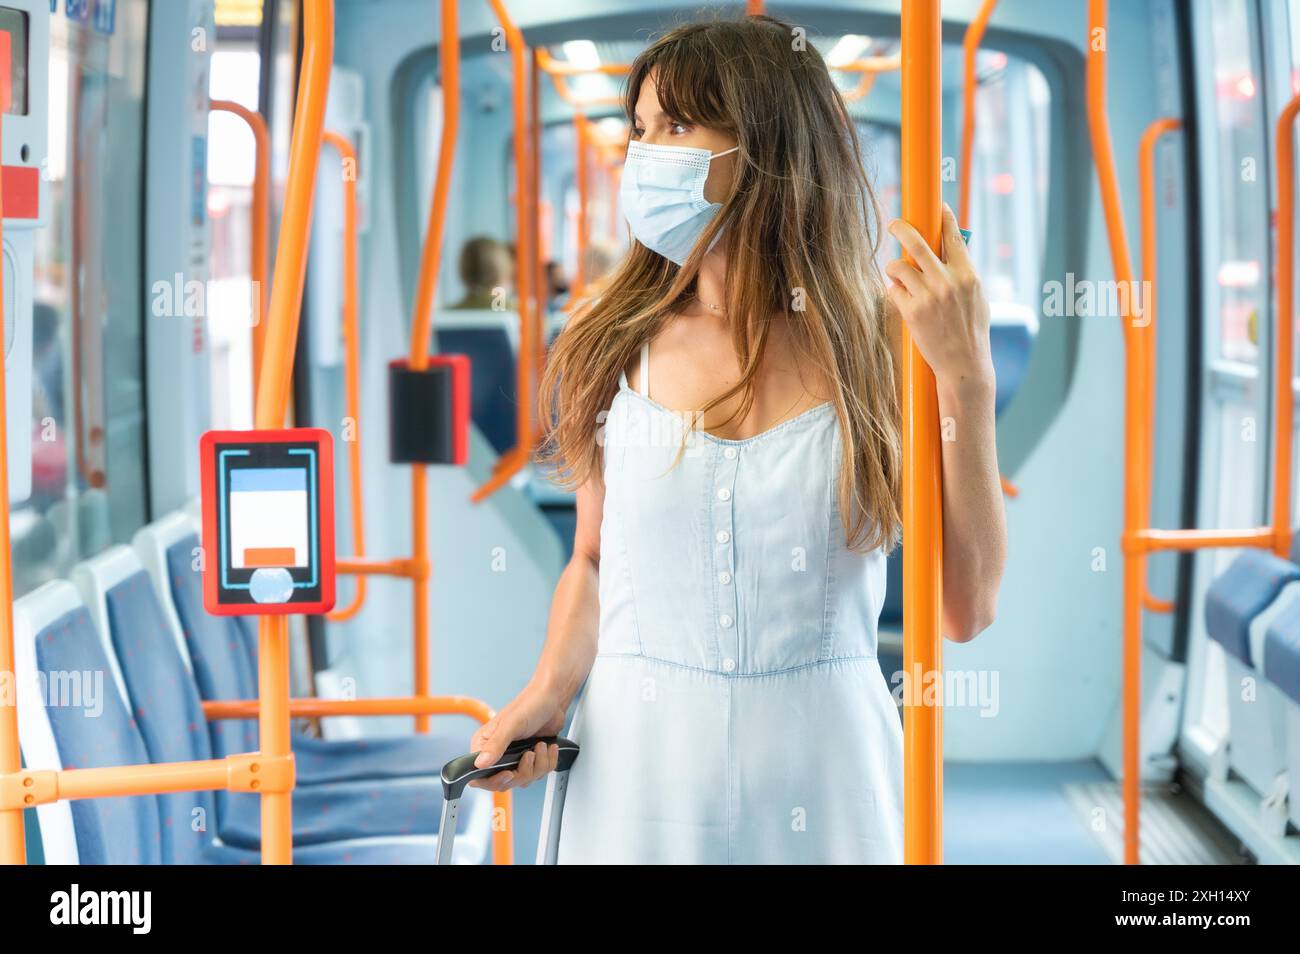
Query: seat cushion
x,y
1250,583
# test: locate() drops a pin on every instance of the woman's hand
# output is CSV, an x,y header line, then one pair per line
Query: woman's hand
x,y
943,305
535,711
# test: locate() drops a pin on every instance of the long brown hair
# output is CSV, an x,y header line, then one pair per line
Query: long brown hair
x,y
803,231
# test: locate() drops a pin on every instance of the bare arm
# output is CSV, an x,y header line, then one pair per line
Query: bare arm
x,y
567,655
948,317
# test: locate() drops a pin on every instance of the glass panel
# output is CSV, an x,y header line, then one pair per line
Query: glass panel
x,y
1241,142
88,408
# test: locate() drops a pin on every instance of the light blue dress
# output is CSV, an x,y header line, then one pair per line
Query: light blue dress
x,y
735,712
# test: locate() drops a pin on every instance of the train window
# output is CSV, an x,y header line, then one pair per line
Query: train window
x,y
87,433
232,155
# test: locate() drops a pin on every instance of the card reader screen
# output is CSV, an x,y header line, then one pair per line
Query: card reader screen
x,y
269,517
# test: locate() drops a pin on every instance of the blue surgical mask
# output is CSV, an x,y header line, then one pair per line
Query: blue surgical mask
x,y
663,196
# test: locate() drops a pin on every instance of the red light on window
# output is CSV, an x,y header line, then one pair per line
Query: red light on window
x,y
1245,86
998,61
1004,183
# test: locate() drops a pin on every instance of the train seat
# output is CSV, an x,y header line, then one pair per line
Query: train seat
x,y
490,340
1240,605
148,664
223,657
1011,341
72,714
1281,656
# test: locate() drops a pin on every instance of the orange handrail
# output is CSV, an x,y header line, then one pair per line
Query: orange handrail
x,y
970,50
274,385
351,363
260,245
13,850
582,136
922,510
1283,388
502,850
515,459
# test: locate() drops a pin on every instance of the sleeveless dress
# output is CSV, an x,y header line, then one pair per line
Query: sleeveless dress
x,y
735,712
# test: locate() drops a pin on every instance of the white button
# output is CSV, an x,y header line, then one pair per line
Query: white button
x,y
724,494
725,622
730,453
724,536
724,577
729,664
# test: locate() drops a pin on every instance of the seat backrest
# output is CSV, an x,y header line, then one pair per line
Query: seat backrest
x,y
492,380
222,668
72,716
161,689
1250,583
1282,651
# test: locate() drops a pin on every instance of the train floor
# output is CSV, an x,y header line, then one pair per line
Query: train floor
x,y
1008,813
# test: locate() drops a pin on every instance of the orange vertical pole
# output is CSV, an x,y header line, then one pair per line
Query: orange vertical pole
x,y
351,363
970,52
260,245
584,187
274,384
13,849
421,334
1135,400
523,255
922,103
541,306
1284,371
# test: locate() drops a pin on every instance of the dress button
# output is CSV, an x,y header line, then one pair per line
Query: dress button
x,y
730,453
724,577
724,536
724,494
729,664
725,622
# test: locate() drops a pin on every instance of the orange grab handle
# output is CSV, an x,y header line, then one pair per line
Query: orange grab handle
x,y
259,264
351,363
517,458
922,105
13,849
970,50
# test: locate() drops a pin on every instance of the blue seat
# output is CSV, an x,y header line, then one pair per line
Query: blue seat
x,y
170,716
145,829
1281,662
492,380
1250,583
223,650
1011,344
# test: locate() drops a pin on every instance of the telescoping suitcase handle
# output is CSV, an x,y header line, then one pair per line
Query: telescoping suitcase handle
x,y
460,771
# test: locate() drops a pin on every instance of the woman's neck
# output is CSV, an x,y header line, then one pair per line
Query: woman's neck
x,y
711,281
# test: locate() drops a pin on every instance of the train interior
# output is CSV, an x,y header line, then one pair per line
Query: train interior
x,y
144,264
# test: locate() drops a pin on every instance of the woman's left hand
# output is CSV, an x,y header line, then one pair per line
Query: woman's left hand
x,y
943,305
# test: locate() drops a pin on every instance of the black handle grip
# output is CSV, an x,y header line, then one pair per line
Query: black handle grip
x,y
460,771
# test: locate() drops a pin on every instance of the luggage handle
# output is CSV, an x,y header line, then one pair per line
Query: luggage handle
x,y
460,771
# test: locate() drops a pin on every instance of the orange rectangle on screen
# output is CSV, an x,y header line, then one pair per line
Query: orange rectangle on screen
x,y
268,556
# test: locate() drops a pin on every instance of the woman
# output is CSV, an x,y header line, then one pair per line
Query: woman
x,y
727,410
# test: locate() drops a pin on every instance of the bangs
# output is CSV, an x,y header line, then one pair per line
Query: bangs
x,y
686,79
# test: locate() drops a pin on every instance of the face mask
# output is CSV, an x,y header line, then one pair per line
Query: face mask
x,y
663,197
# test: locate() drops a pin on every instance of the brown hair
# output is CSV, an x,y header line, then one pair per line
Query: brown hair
x,y
804,229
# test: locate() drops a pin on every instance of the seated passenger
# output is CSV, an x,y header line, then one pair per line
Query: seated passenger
x,y
487,271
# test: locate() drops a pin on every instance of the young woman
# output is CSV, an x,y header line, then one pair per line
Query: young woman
x,y
728,412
